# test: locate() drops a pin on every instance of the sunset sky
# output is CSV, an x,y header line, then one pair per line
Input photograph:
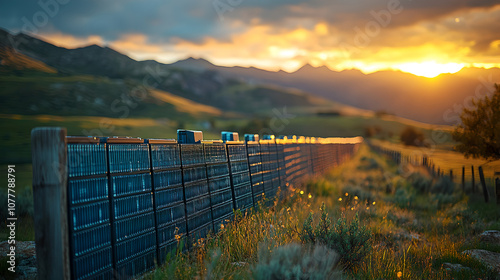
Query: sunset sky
x,y
423,37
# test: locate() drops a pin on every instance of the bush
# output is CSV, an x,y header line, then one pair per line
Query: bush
x,y
320,187
293,261
412,137
444,185
350,240
420,182
368,164
404,198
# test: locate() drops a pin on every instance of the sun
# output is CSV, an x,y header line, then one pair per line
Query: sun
x,y
429,69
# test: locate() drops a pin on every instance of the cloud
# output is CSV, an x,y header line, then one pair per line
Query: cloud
x,y
365,34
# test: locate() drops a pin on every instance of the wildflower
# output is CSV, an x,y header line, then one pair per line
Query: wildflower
x,y
352,208
400,274
355,197
301,192
221,226
346,194
310,196
374,203
177,237
340,198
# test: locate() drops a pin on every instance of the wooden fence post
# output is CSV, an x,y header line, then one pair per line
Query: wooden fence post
x,y
497,183
463,179
483,184
451,175
49,157
473,180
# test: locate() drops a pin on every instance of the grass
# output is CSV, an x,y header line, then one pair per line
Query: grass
x,y
408,240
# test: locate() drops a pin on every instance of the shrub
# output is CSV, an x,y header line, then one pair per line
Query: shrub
x,y
404,198
350,240
444,185
368,164
412,137
420,182
319,187
293,261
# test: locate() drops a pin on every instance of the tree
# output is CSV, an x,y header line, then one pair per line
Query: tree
x,y
412,137
479,133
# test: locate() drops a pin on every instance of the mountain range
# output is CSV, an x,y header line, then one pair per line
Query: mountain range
x,y
249,90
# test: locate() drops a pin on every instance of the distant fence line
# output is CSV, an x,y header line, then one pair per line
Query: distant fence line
x,y
113,207
439,172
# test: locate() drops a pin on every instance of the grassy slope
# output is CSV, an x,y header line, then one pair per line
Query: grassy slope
x,y
447,160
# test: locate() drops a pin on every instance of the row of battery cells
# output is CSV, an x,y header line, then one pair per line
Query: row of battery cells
x,y
197,195
134,222
221,197
266,171
240,177
282,169
90,227
255,168
169,197
274,166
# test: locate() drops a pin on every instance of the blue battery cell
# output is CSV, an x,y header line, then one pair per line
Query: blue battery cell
x,y
221,197
237,152
201,232
193,174
89,215
128,157
239,166
169,196
223,210
217,170
91,239
197,205
127,206
86,160
92,264
169,250
168,233
215,153
196,189
130,184
165,179
165,156
170,215
199,220
219,184
136,266
255,169
87,190
192,154
242,190
134,226
240,178
134,247
244,203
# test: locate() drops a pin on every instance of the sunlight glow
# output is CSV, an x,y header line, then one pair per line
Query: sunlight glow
x,y
429,69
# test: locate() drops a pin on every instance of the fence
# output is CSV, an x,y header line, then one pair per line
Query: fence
x,y
438,172
114,207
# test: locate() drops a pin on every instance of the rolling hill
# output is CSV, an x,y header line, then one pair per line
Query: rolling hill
x,y
86,81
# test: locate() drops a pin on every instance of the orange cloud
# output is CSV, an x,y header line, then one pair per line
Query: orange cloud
x,y
70,42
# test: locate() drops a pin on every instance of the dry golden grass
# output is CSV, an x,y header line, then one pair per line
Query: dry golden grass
x,y
185,105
